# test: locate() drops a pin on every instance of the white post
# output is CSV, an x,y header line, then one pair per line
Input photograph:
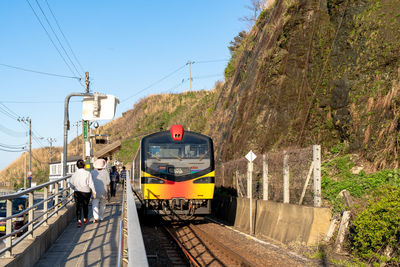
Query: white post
x,y
342,231
286,197
250,157
250,192
317,175
249,174
306,183
265,178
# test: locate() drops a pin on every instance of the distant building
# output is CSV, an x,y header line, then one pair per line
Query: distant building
x,y
55,167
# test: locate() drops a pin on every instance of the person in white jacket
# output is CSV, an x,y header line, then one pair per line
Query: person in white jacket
x,y
82,183
101,180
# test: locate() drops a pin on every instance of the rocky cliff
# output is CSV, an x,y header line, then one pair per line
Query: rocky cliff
x,y
317,71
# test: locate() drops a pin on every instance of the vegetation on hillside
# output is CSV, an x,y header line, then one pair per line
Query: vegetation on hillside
x,y
158,112
375,228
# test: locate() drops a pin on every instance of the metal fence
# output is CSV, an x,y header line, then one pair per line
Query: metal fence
x,y
289,176
30,216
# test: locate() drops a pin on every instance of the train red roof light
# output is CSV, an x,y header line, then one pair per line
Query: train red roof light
x,y
177,132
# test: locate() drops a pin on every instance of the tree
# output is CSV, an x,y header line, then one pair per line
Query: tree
x,y
237,41
255,6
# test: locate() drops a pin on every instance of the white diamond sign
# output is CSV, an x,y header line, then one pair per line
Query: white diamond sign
x,y
251,156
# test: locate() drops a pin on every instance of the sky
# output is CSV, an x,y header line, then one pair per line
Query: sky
x,y
131,49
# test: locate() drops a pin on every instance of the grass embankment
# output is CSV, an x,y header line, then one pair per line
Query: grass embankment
x,y
158,112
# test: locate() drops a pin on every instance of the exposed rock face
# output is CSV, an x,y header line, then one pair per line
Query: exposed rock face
x,y
315,72
339,104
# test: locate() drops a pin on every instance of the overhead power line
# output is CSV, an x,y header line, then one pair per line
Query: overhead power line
x,y
65,38
15,115
8,114
183,80
211,61
11,132
156,82
206,76
40,72
58,39
22,146
40,161
48,35
9,150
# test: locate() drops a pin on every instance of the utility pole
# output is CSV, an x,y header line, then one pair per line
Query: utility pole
x,y
30,144
25,170
85,124
190,73
28,120
51,140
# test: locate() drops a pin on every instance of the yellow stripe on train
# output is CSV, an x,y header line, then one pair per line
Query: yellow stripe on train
x,y
185,189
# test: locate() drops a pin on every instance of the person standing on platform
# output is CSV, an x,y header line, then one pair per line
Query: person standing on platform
x,y
108,166
122,174
114,180
101,180
82,183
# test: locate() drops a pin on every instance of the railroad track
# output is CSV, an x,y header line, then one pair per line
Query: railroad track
x,y
201,249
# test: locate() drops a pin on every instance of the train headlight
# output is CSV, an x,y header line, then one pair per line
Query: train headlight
x,y
204,180
151,180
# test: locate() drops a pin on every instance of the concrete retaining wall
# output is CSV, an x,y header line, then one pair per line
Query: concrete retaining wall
x,y
29,251
282,222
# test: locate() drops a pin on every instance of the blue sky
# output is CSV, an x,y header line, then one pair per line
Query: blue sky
x,y
125,45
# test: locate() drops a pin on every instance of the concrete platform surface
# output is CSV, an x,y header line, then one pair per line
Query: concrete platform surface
x,y
94,244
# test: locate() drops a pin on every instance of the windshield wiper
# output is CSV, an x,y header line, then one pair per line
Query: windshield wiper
x,y
202,156
151,155
175,156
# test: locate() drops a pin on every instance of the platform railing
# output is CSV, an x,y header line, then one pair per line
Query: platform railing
x,y
123,232
59,199
131,250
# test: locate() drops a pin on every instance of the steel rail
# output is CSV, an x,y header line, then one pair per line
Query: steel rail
x,y
182,247
219,246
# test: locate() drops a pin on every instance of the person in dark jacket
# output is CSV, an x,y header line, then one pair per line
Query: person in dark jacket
x,y
114,177
122,174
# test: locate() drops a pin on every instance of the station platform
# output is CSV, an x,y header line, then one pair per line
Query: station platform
x,y
93,244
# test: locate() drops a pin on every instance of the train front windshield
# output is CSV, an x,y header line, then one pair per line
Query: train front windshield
x,y
178,160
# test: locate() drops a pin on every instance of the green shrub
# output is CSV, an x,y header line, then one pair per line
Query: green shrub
x,y
357,184
230,69
378,226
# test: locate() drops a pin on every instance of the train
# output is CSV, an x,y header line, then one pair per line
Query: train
x,y
173,173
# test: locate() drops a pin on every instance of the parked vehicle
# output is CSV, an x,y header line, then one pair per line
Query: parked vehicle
x,y
18,205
